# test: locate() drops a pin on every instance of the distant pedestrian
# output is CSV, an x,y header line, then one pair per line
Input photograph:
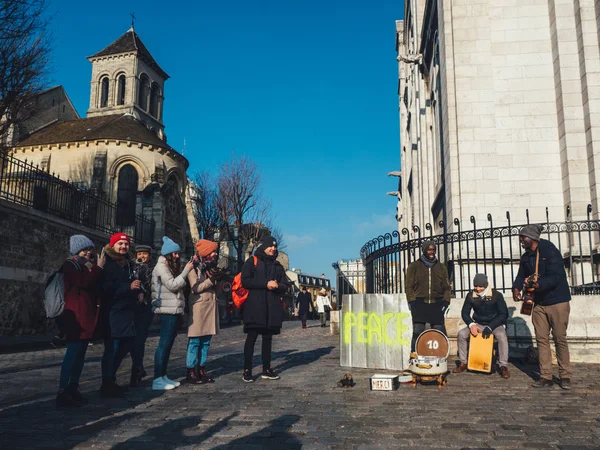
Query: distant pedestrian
x,y
79,317
304,299
428,292
168,301
323,305
143,311
120,296
262,312
203,310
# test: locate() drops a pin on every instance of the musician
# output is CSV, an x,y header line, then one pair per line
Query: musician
x,y
428,292
551,302
489,317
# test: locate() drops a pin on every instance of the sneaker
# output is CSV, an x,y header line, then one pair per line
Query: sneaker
x,y
268,374
173,382
65,400
565,383
504,373
542,383
159,384
247,377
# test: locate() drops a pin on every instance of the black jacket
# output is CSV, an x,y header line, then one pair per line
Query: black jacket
x,y
304,299
262,310
490,310
554,287
119,301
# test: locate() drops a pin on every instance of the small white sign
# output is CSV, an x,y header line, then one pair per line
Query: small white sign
x,y
384,382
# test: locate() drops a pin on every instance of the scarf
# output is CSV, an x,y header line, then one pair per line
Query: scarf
x,y
269,261
484,292
121,260
429,263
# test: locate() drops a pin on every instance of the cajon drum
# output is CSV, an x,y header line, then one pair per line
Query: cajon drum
x,y
480,353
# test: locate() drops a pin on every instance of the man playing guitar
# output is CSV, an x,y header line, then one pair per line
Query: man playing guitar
x,y
543,280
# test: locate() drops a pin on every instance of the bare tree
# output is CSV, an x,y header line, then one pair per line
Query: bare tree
x,y
243,209
24,56
206,209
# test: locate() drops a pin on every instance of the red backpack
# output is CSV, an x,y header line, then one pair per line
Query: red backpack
x,y
239,293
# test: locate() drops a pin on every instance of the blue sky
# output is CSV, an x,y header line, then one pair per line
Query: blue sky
x,y
307,90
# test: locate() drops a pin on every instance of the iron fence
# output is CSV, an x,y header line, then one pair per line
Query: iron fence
x,y
25,184
495,251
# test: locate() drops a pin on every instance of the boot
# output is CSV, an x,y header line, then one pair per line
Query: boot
x,y
136,377
65,400
192,376
73,390
204,376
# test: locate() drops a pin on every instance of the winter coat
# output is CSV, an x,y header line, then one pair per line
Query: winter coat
x,y
554,287
489,310
202,305
143,273
82,300
262,310
429,284
322,301
304,299
119,301
167,290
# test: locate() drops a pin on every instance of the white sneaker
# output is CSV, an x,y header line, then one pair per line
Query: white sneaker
x,y
159,384
173,382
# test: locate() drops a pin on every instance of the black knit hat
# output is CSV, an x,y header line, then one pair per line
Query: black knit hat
x,y
267,241
143,248
427,244
481,279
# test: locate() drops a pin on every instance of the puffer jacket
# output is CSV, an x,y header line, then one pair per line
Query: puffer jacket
x,y
167,290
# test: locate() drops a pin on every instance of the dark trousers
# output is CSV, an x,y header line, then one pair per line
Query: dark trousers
x,y
418,328
115,350
303,318
267,344
72,364
143,319
168,332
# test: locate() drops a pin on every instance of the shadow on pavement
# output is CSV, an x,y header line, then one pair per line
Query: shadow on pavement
x,y
175,433
274,436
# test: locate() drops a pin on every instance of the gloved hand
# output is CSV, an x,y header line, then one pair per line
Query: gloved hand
x,y
445,306
486,333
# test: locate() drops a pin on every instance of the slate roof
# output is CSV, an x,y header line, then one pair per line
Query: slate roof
x,y
131,42
123,127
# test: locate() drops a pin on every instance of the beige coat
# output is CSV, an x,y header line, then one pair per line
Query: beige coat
x,y
203,306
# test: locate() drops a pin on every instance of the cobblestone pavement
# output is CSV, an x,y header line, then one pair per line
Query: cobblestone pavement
x,y
304,409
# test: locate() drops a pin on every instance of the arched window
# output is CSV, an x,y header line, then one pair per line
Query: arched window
x,y
154,99
121,90
104,92
126,195
143,92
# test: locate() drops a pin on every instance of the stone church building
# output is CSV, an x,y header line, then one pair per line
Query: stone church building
x,y
120,149
499,110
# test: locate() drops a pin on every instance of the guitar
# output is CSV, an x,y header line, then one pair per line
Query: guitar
x,y
529,290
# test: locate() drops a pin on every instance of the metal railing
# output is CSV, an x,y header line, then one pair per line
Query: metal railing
x,y
25,184
495,251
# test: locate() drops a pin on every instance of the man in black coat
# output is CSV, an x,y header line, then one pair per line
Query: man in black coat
x,y
304,299
262,311
489,317
120,296
551,305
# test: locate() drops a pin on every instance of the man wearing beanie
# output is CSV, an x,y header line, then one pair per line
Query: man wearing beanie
x,y
489,317
428,291
120,289
551,302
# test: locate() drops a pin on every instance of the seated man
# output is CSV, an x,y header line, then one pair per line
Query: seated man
x,y
489,317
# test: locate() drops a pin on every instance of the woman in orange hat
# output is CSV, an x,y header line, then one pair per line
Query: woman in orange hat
x,y
204,311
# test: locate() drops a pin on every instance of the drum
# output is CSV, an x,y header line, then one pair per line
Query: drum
x,y
432,348
480,353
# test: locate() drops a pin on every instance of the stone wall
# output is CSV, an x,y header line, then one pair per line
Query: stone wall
x,y
33,244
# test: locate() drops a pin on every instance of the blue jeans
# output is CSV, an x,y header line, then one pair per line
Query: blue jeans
x,y
168,331
143,319
115,351
72,364
202,342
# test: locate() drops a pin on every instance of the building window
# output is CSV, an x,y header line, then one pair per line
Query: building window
x,y
144,92
154,99
104,92
127,196
121,90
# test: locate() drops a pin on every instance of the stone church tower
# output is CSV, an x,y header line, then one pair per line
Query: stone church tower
x,y
120,149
